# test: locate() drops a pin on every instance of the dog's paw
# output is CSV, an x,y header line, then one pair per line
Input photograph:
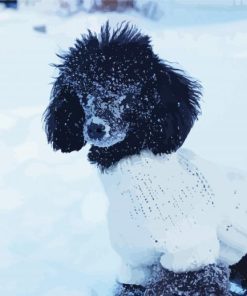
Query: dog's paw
x,y
212,280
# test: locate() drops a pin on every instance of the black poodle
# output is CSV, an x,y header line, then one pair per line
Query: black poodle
x,y
166,217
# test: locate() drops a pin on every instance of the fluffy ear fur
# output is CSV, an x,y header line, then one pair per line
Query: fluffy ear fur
x,y
239,272
177,109
64,119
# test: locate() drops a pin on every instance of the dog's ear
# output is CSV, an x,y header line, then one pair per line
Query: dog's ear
x,y
64,118
177,107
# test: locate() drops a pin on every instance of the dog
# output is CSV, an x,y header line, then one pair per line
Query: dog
x,y
177,221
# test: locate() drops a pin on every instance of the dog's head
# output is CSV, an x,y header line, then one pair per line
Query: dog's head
x,y
112,88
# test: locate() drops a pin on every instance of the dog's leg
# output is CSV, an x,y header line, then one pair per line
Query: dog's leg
x,y
212,280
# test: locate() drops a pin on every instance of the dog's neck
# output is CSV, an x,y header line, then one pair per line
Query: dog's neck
x,y
106,157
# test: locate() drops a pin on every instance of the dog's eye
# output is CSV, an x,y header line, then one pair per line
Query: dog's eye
x,y
126,99
107,100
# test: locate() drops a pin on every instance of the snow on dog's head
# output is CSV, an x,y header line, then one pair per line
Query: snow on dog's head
x,y
116,94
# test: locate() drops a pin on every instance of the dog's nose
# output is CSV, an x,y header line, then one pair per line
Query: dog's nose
x,y
96,131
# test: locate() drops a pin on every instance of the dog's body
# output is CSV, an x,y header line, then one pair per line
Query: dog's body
x,y
167,206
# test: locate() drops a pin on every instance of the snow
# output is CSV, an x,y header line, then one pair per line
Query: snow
x,y
92,109
54,238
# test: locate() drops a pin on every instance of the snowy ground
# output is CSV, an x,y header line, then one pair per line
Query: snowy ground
x,y
54,239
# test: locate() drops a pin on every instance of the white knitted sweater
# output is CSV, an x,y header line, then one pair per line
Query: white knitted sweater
x,y
177,209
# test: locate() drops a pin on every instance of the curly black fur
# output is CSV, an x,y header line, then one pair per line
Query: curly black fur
x,y
173,98
239,273
210,280
64,119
